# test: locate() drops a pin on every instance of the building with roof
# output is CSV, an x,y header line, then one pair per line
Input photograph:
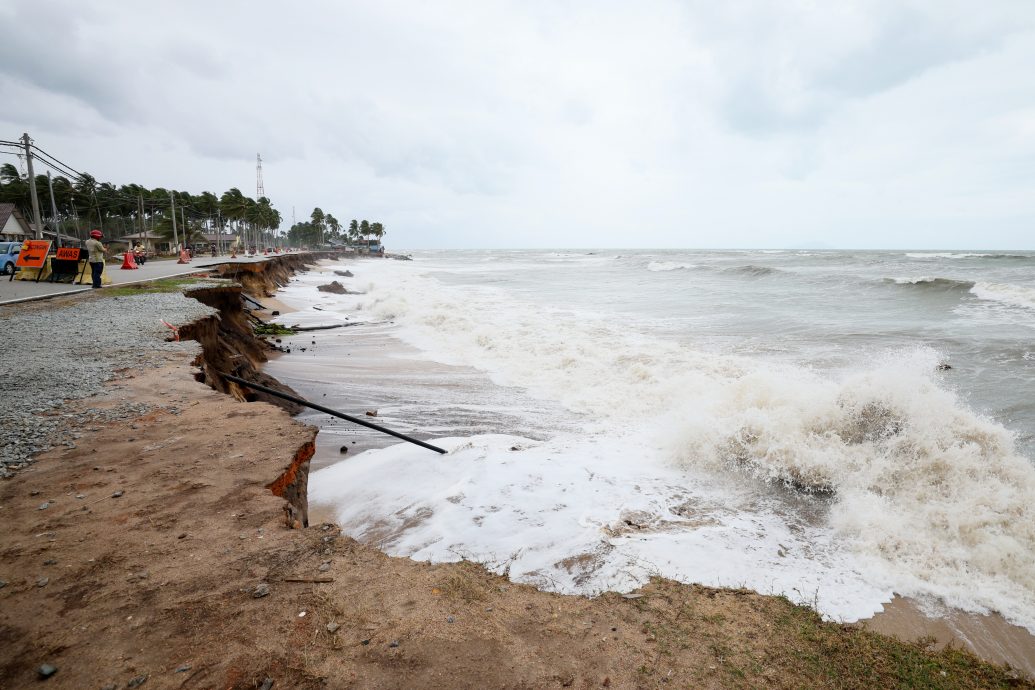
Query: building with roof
x,y
13,225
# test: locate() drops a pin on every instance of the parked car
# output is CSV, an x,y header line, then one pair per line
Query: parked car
x,y
8,256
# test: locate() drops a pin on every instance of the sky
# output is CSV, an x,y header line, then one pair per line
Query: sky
x,y
658,123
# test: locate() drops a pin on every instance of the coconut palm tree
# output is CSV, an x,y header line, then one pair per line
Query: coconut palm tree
x,y
14,190
207,204
318,218
233,205
334,226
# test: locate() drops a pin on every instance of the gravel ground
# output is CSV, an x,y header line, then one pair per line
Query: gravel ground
x,y
68,353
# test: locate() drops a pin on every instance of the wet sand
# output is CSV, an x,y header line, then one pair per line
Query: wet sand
x,y
988,636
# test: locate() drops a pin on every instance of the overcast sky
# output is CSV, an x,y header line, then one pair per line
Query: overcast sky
x,y
555,124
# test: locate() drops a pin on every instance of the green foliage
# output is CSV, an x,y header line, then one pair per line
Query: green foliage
x,y
272,329
84,203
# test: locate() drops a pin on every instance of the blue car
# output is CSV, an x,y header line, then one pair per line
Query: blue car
x,y
8,256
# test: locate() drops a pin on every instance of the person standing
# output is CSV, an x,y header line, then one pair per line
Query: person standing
x,y
96,250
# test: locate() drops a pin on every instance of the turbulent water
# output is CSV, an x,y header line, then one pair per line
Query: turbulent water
x,y
833,426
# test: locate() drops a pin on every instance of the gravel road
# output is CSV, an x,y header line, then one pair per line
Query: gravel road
x,y
68,352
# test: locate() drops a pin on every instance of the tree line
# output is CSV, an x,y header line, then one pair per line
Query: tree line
x,y
323,228
84,204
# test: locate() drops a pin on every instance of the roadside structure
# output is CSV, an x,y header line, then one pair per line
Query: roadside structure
x,y
151,240
13,225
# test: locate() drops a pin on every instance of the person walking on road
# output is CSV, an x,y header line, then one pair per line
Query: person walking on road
x,y
97,250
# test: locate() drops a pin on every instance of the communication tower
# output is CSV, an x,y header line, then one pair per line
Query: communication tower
x,y
259,191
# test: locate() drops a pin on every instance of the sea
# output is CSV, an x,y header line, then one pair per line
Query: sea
x,y
838,427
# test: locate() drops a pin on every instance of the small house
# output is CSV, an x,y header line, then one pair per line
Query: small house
x,y
13,226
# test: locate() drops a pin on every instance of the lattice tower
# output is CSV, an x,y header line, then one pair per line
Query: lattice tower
x,y
259,190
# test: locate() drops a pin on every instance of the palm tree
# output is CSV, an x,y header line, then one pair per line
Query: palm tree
x,y
14,190
233,205
265,218
86,197
207,204
334,226
132,207
318,220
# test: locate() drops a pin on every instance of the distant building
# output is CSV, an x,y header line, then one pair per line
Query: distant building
x,y
13,225
368,246
150,240
222,241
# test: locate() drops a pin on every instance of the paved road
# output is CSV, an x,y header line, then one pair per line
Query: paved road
x,y
19,290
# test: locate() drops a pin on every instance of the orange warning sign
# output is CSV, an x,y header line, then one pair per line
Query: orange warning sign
x,y
68,253
33,254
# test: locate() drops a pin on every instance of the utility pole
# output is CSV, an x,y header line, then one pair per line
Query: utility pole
x,y
32,186
140,217
78,228
54,209
176,237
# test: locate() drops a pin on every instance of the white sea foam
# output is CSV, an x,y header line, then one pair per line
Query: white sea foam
x,y
587,515
1014,295
934,281
662,266
929,499
943,255
914,281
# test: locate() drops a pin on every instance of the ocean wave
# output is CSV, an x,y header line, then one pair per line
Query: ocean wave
x,y
752,270
933,282
1014,295
921,484
965,255
663,266
933,497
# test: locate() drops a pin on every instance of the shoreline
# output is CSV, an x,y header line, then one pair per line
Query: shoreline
x,y
162,554
989,636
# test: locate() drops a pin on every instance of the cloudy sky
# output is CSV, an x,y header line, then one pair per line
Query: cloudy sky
x,y
555,124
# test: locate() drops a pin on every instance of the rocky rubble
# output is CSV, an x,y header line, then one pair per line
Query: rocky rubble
x,y
69,352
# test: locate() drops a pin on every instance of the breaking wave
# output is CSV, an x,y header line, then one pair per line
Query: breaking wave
x,y
932,495
933,283
663,266
1014,295
965,255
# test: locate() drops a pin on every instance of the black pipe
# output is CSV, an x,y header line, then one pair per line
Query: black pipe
x,y
327,410
256,303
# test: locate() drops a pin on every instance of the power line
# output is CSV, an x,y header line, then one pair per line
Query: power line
x,y
57,169
114,198
55,159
